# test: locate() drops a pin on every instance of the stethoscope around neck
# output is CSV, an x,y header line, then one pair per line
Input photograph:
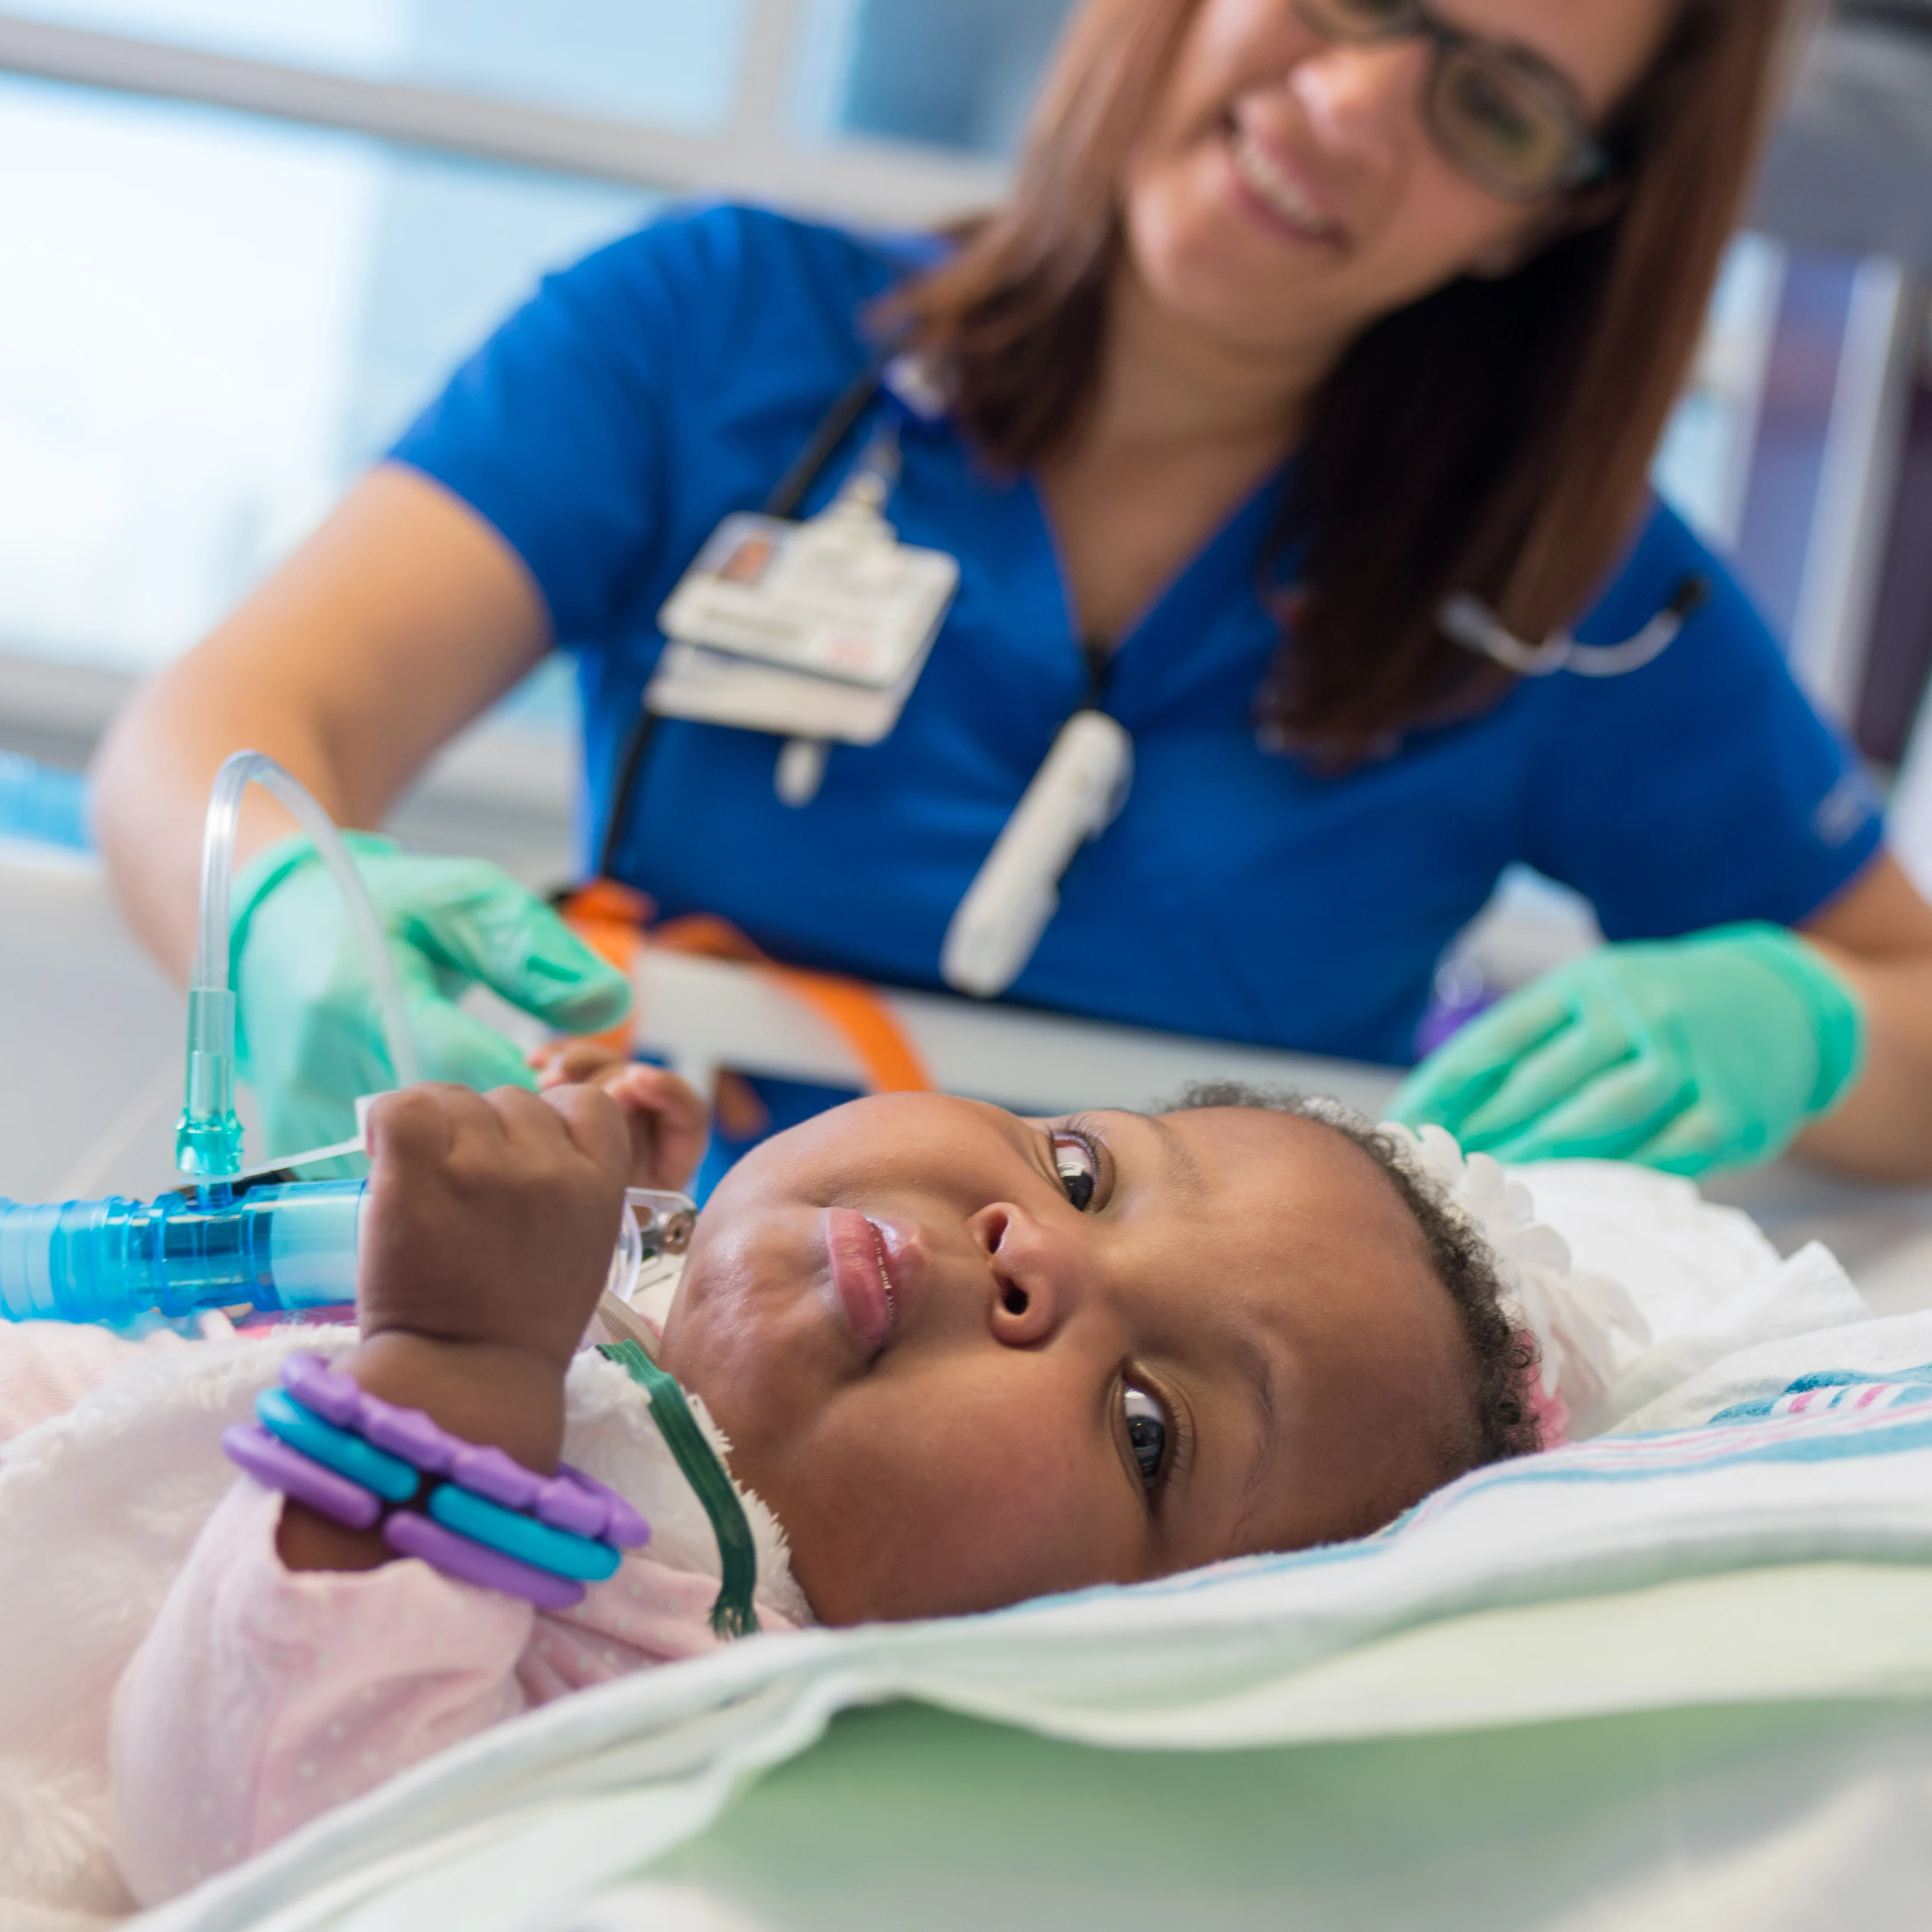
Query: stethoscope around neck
x,y
1470,622
1073,798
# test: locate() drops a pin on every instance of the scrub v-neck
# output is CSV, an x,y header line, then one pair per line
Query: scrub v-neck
x,y
1211,575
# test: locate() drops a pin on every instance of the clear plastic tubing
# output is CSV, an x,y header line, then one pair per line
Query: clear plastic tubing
x,y
280,1246
208,1142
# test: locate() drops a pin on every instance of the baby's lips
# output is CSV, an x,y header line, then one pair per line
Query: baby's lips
x,y
860,1278
903,1246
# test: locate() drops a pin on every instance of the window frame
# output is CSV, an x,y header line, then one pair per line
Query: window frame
x,y
56,710
754,155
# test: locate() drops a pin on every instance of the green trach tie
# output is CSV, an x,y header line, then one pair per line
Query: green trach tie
x,y
732,1615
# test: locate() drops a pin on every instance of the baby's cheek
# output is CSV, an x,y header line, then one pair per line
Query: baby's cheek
x,y
907,1519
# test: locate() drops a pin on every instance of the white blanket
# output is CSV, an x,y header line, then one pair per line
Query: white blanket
x,y
97,1508
1786,1560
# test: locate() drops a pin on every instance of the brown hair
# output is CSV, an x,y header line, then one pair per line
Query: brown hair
x,y
1493,437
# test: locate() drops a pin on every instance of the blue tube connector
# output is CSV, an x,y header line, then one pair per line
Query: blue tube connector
x,y
286,1245
207,1138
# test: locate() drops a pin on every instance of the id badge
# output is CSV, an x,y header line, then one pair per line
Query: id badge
x,y
817,629
716,688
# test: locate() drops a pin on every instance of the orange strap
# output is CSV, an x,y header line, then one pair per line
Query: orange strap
x,y
611,920
852,1009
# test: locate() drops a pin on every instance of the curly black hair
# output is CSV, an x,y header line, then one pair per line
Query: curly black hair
x,y
1501,1358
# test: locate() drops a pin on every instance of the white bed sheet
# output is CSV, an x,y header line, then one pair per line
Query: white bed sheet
x,y
1785,1563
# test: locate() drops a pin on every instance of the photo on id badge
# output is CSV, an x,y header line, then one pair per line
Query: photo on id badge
x,y
748,560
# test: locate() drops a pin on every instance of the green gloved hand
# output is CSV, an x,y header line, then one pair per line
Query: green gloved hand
x,y
308,1034
1684,1054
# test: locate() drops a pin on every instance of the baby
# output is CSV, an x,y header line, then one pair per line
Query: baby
x,y
963,1358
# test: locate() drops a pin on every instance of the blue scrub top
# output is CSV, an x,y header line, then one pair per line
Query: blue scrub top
x,y
671,378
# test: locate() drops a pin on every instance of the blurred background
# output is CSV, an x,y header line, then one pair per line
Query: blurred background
x,y
241,242
245,240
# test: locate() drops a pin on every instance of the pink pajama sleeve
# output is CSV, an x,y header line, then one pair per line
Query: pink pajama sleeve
x,y
262,1696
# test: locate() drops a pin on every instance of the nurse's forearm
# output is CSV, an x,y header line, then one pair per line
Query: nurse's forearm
x,y
151,782
1882,1130
403,617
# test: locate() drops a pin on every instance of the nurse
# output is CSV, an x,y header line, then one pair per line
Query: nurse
x,y
1293,413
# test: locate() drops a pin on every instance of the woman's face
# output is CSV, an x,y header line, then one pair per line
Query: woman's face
x,y
1287,192
969,1358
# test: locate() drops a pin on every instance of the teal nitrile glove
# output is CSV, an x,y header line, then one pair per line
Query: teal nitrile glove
x,y
1684,1054
308,1034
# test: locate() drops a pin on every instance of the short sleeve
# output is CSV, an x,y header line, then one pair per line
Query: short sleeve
x,y
562,429
554,429
637,396
1704,787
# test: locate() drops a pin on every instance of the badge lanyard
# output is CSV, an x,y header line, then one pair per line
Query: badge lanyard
x,y
817,631
851,403
813,631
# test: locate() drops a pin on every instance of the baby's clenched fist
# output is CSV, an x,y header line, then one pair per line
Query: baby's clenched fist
x,y
491,1217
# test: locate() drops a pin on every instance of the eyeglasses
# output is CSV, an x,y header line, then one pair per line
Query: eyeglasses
x,y
1503,118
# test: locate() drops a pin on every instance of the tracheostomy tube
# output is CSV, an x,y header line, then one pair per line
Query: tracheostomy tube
x,y
288,1245
207,1139
276,1245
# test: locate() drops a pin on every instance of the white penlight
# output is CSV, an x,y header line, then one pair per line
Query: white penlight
x,y
1073,798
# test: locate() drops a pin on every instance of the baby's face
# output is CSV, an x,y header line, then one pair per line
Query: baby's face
x,y
969,1358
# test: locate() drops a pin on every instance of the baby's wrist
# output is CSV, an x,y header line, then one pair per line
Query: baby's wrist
x,y
488,1392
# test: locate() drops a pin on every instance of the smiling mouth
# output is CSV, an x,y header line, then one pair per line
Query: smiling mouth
x,y
1277,191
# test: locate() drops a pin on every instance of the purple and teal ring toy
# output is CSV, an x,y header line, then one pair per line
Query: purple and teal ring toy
x,y
410,1534
276,1466
347,1455
570,1500
522,1536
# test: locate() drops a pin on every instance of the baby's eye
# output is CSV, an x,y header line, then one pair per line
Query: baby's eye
x,y
1147,1431
1079,1171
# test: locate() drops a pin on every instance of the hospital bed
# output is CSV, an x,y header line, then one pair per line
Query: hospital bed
x,y
1449,1779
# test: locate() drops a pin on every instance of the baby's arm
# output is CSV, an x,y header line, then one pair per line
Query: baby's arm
x,y
295,1663
488,1236
264,1696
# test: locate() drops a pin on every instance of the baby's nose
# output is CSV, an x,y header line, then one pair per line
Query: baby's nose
x,y
1036,1275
